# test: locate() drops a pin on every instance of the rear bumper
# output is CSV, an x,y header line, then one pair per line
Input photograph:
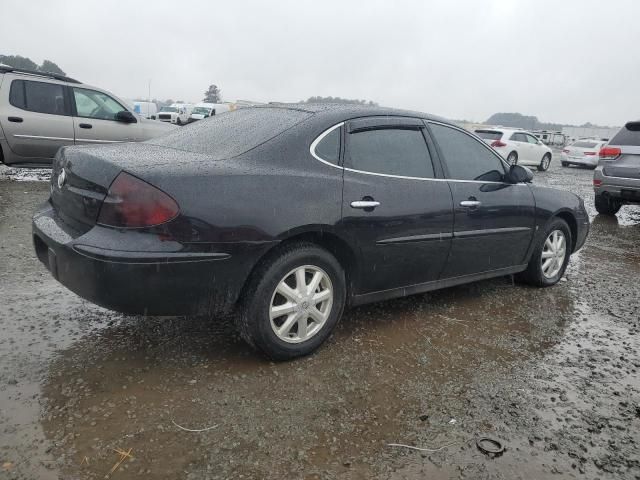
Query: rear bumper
x,y
627,189
148,283
587,161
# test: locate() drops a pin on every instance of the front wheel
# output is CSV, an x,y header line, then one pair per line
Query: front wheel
x,y
544,164
606,205
550,257
293,302
179,122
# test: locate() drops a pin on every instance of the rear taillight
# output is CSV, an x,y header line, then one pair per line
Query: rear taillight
x,y
609,153
589,153
498,143
133,203
566,150
596,182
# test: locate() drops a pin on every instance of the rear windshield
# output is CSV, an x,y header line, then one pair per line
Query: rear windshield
x,y
585,144
232,134
489,134
628,135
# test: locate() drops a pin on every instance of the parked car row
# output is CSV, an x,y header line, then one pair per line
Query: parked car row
x,y
41,112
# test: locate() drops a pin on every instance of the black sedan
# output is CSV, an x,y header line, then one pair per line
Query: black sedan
x,y
285,214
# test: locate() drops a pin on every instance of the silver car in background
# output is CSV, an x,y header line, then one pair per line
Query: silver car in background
x,y
584,153
41,112
616,180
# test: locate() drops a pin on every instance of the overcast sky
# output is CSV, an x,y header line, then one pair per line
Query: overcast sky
x,y
563,61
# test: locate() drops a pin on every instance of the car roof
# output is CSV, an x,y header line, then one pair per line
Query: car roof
x,y
349,110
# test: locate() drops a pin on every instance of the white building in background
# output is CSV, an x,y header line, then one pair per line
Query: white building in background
x,y
575,133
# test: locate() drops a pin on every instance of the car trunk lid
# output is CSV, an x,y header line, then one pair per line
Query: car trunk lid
x,y
81,176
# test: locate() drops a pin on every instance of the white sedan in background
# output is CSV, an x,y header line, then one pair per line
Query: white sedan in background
x,y
583,153
517,146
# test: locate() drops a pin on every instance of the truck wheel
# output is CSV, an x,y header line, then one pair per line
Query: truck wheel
x,y
179,122
293,302
606,205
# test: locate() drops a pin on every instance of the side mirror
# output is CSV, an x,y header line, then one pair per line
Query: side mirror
x,y
125,116
520,174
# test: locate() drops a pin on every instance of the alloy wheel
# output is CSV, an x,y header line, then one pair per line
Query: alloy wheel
x,y
553,254
301,304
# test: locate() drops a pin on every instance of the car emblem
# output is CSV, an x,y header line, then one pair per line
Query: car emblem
x,y
62,178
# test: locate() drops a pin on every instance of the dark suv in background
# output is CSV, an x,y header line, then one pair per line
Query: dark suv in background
x,y
616,180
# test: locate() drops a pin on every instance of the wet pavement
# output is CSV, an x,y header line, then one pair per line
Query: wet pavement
x,y
552,373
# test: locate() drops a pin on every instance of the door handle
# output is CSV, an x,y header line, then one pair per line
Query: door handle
x,y
85,125
15,119
364,204
470,203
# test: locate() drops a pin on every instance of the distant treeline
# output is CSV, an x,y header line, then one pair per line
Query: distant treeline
x,y
530,122
339,100
27,64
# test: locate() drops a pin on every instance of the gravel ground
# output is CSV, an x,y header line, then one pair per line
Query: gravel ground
x,y
552,373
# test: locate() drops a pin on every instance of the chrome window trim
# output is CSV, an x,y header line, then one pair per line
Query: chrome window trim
x,y
314,144
423,179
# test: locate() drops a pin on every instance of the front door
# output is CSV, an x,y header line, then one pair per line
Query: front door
x,y
36,120
394,208
95,119
494,220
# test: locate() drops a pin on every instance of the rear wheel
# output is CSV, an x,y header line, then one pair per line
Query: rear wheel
x,y
544,164
293,302
564,164
512,158
550,257
606,205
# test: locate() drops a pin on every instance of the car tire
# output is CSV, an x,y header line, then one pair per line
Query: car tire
x,y
564,164
544,163
606,205
178,121
512,158
545,275
258,321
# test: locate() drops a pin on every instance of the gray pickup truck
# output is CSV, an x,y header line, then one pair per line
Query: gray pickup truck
x,y
616,180
41,112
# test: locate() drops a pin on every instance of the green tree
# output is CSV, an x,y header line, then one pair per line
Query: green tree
x,y
213,95
18,62
50,67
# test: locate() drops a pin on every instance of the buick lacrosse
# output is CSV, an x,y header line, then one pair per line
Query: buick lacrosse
x,y
285,214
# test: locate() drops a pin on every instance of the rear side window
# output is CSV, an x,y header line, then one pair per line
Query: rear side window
x,y
628,135
465,157
489,134
328,148
390,151
234,133
40,97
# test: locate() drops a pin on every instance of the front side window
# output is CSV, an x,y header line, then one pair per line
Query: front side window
x,y
465,157
92,104
519,137
38,97
532,139
328,149
390,151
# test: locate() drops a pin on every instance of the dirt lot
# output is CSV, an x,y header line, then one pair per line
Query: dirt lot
x,y
553,373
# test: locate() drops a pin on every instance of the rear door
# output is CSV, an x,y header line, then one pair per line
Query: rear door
x,y
522,146
94,119
36,119
397,208
493,220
